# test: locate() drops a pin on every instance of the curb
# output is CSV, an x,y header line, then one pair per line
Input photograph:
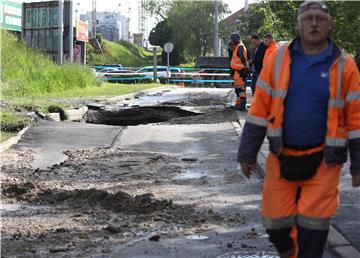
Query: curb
x,y
13,140
338,243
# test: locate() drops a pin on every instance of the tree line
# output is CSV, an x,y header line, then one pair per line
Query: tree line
x,y
189,25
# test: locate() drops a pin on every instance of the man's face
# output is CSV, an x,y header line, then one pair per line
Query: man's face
x,y
314,26
267,41
256,42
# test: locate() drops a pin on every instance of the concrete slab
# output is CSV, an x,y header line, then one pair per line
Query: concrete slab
x,y
49,139
201,141
76,114
53,117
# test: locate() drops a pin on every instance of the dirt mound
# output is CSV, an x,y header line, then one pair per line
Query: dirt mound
x,y
119,201
18,190
12,160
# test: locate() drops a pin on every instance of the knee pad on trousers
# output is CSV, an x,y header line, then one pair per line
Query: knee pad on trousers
x,y
281,239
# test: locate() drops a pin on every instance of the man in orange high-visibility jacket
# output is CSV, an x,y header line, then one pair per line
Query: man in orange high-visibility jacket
x,y
239,68
307,102
271,46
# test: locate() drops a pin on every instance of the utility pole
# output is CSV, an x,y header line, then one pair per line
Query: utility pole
x,y
93,18
128,23
216,29
71,32
60,32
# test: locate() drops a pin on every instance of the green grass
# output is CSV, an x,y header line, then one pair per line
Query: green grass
x,y
43,101
6,135
121,52
27,72
106,90
30,81
11,122
188,65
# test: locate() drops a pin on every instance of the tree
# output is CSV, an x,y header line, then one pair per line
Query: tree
x,y
346,24
161,34
280,17
191,24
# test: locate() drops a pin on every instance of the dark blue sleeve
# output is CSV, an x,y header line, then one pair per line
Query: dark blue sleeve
x,y
241,55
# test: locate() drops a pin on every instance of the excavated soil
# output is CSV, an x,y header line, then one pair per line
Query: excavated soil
x,y
96,199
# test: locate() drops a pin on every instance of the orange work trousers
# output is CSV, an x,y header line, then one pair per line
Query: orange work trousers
x,y
310,209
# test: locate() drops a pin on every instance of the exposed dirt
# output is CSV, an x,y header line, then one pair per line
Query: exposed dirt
x,y
102,198
94,200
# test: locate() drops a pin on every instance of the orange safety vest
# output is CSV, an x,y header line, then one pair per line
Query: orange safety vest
x,y
237,65
271,48
343,120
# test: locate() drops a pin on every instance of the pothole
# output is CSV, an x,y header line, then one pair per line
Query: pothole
x,y
136,116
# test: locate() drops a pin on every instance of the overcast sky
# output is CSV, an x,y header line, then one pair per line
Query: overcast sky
x,y
123,6
112,5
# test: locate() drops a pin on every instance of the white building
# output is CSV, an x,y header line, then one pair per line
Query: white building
x,y
113,26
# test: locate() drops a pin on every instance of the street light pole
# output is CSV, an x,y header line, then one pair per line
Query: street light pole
x,y
71,32
60,32
94,18
216,29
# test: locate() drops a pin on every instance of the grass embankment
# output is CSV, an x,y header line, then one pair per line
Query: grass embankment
x,y
11,124
121,52
27,72
30,81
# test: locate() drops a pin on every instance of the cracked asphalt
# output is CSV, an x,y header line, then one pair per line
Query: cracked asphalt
x,y
143,189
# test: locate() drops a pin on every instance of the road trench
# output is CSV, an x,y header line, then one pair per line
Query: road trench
x,y
169,175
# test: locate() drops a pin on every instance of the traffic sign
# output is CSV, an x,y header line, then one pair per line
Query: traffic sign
x,y
168,47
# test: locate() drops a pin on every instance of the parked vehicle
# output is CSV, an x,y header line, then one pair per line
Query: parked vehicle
x,y
163,73
213,68
104,71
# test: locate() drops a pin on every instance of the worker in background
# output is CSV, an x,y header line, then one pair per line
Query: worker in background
x,y
271,46
307,103
239,69
256,60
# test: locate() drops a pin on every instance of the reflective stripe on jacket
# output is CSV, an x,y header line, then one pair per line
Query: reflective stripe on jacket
x,y
343,119
238,65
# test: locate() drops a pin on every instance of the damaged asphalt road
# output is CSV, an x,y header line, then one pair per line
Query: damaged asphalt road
x,y
164,183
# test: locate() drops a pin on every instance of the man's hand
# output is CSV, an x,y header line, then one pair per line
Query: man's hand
x,y
355,180
247,168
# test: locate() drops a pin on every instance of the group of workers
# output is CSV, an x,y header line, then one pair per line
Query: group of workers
x,y
242,63
307,103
